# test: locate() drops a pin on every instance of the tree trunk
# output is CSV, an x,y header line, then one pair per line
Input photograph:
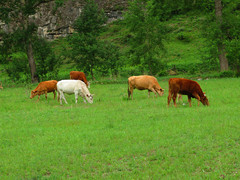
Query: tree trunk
x,y
31,61
221,48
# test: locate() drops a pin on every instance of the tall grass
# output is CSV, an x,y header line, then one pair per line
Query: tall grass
x,y
116,138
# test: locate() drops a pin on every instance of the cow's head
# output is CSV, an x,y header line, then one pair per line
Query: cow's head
x,y
89,98
161,92
33,94
204,100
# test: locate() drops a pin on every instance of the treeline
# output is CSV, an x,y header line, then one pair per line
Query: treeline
x,y
140,49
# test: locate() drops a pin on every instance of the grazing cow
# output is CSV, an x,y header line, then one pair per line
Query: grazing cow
x,y
142,83
77,75
76,87
44,88
186,87
1,87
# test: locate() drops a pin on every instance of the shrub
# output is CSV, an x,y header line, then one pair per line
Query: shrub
x,y
182,36
226,74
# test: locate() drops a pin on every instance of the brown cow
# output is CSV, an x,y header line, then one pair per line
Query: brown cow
x,y
142,83
77,75
44,88
186,87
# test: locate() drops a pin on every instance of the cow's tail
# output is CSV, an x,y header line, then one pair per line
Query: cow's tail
x,y
129,92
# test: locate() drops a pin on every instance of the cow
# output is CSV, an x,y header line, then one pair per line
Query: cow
x,y
186,87
44,88
77,75
144,82
76,87
1,87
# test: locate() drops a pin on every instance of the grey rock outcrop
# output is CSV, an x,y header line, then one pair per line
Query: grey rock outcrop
x,y
54,23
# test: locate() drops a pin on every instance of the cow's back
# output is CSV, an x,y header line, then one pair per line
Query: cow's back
x,y
49,86
184,86
78,75
68,86
144,82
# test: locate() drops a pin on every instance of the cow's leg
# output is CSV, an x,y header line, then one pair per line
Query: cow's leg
x,y
174,99
189,101
153,90
76,97
38,97
45,92
197,97
62,96
169,97
131,92
179,97
54,94
149,93
58,94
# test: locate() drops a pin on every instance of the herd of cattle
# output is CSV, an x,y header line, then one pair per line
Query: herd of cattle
x,y
79,85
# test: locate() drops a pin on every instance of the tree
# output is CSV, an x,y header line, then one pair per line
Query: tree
x,y
17,15
146,34
221,47
85,42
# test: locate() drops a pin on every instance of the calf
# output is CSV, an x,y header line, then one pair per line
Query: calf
x,y
77,75
44,88
186,87
144,82
76,87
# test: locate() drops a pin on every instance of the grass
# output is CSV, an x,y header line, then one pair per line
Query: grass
x,y
116,138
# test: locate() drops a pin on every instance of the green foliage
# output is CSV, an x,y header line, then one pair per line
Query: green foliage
x,y
91,19
146,35
46,61
183,36
166,9
225,74
17,67
88,51
110,58
226,33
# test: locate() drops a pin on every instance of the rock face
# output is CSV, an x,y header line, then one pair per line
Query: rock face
x,y
53,23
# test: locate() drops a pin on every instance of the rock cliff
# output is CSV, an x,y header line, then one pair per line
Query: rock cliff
x,y
53,23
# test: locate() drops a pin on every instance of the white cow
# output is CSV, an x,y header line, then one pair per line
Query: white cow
x,y
76,87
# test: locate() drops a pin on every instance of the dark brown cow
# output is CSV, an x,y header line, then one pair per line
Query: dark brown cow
x,y
77,75
44,88
142,83
186,87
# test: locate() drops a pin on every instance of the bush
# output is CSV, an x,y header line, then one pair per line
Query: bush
x,y
226,74
18,68
130,71
182,36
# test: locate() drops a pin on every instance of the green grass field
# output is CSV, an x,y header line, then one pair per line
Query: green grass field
x,y
116,138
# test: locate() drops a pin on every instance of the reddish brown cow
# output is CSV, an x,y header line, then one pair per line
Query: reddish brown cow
x,y
186,87
142,83
79,76
44,88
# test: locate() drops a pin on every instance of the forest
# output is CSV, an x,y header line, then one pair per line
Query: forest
x,y
160,38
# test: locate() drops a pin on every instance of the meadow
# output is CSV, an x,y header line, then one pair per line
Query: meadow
x,y
116,138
